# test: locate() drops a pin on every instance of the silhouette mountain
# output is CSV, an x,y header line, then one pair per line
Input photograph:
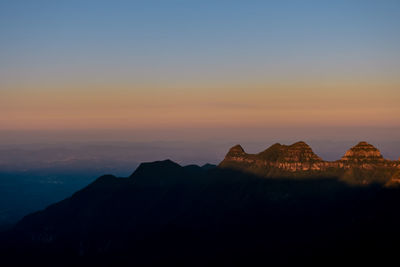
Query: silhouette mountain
x,y
166,214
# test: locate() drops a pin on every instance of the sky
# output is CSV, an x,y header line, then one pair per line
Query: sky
x,y
194,70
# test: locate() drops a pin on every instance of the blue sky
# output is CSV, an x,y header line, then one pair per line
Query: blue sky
x,y
172,39
68,65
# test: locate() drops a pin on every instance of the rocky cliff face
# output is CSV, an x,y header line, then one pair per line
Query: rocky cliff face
x,y
363,155
363,152
394,180
299,159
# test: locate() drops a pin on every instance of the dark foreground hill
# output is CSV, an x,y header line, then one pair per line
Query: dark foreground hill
x,y
165,214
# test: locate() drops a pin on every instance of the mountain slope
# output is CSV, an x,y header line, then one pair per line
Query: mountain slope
x,y
168,214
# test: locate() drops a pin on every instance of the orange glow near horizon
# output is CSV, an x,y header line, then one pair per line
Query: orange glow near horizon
x,y
129,106
142,66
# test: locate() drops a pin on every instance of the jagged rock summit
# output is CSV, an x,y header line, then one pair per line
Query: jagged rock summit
x,y
236,151
363,152
298,152
299,160
296,157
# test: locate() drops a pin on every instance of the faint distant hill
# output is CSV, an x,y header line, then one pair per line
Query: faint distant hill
x,y
103,157
32,176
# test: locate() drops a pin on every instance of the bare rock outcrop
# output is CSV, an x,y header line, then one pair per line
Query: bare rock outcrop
x,y
363,154
299,160
394,180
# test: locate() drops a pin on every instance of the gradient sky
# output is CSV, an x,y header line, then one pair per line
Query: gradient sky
x,y
208,65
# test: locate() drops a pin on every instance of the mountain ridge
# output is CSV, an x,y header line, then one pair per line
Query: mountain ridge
x,y
192,215
299,160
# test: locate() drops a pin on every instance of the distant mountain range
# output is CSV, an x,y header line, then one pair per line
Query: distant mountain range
x,y
283,206
361,164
